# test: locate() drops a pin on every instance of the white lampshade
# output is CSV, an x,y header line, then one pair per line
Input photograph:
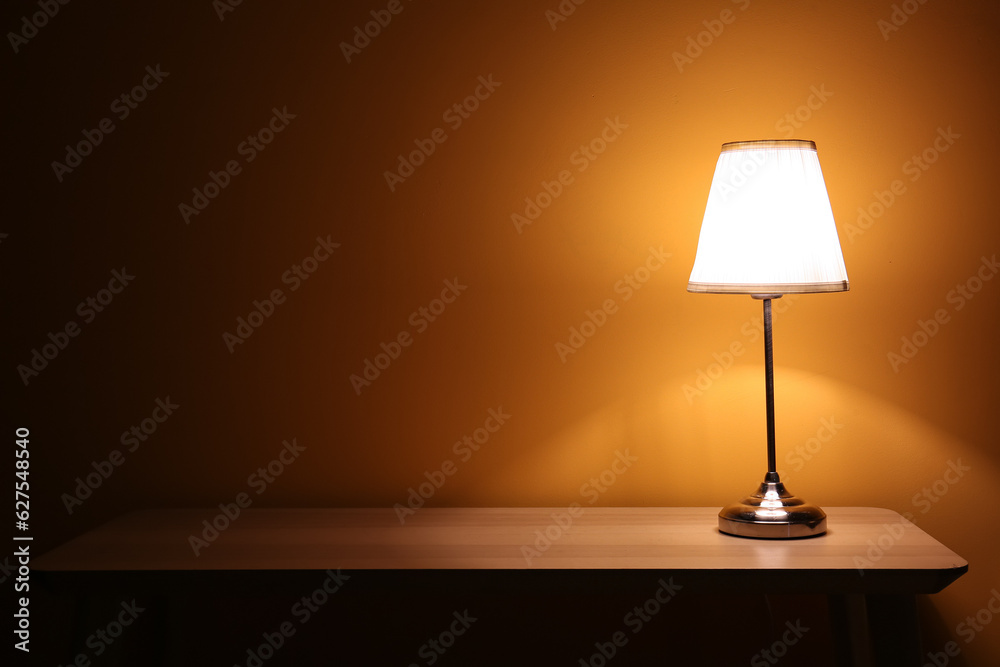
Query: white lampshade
x,y
768,226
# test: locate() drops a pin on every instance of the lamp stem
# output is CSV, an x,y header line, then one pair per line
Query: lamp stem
x,y
771,512
769,388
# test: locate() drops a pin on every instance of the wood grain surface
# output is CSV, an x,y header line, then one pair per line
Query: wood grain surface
x,y
660,538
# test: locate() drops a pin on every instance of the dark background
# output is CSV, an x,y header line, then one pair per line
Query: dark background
x,y
889,94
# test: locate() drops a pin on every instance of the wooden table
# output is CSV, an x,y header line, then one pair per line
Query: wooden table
x,y
872,562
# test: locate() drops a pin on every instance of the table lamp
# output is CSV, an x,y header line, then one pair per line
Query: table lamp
x,y
768,230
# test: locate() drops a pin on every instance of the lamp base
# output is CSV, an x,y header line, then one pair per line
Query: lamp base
x,y
772,513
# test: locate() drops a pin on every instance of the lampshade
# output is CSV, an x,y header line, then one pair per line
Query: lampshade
x,y
768,226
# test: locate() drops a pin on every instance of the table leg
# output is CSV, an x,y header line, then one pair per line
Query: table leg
x,y
894,629
851,641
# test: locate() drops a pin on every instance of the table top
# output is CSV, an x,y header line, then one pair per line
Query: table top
x,y
861,542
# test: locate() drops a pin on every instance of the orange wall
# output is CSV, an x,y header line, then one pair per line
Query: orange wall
x,y
884,99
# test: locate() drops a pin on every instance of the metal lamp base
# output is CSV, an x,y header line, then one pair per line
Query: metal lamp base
x,y
772,513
